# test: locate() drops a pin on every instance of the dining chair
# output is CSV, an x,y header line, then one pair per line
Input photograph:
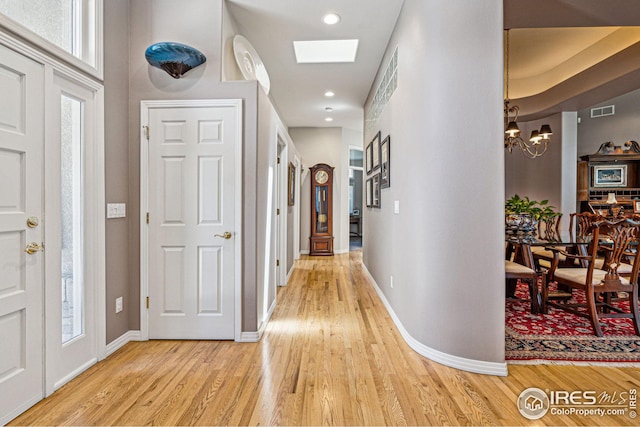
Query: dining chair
x,y
514,272
548,229
583,223
617,239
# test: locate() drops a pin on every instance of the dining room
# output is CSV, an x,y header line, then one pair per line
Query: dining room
x,y
589,174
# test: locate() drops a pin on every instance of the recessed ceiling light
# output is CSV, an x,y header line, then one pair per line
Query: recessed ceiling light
x,y
325,51
329,94
328,119
331,18
328,109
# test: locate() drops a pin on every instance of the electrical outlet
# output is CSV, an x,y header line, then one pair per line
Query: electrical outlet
x,y
119,304
391,281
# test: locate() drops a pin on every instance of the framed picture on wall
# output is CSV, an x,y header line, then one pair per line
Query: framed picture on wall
x,y
610,176
375,190
368,152
375,152
291,185
385,177
369,193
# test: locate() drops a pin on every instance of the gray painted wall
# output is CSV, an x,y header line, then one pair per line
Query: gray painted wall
x,y
116,94
536,178
551,177
131,27
619,128
445,247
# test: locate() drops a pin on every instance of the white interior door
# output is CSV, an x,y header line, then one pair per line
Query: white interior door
x,y
21,285
192,227
71,291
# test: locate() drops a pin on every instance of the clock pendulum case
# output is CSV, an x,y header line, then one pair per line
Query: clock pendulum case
x,y
321,240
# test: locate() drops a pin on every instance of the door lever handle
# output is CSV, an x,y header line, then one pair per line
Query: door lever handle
x,y
33,247
226,235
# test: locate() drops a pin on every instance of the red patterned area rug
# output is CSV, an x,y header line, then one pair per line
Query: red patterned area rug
x,y
564,338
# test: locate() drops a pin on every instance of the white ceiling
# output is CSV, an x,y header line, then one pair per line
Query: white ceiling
x,y
298,89
544,52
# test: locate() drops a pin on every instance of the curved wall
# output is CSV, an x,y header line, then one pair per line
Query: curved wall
x,y
444,248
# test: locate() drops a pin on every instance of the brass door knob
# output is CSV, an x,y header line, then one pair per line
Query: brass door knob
x,y
33,247
226,235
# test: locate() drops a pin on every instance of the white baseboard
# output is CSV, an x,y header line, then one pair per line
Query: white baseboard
x,y
74,374
337,252
286,281
250,337
464,364
256,336
119,342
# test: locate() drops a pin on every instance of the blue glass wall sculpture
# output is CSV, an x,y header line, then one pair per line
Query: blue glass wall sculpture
x,y
174,58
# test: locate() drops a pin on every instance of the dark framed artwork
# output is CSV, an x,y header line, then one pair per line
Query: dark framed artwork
x,y
369,193
369,158
375,191
291,185
375,152
385,162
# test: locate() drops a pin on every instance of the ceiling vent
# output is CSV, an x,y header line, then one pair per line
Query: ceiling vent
x,y
608,110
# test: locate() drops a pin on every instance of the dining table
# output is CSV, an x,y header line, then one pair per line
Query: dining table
x,y
519,248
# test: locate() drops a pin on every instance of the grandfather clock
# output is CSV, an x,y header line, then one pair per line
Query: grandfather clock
x,y
321,239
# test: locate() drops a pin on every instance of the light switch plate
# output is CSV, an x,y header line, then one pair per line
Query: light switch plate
x,y
116,210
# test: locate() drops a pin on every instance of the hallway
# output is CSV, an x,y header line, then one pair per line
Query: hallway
x,y
330,356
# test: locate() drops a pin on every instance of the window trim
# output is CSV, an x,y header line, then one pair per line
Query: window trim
x,y
92,41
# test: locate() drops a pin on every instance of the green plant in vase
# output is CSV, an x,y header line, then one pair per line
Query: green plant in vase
x,y
522,214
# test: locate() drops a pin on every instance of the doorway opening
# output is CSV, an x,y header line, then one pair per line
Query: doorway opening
x,y
356,179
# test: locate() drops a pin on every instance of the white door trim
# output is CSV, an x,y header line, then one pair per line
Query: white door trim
x,y
296,208
283,175
145,107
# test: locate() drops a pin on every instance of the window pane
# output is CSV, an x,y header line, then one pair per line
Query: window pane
x,y
355,158
53,20
72,232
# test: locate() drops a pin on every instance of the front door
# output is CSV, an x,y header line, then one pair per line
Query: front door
x,y
21,234
192,231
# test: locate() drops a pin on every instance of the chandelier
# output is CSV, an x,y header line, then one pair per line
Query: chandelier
x,y
538,142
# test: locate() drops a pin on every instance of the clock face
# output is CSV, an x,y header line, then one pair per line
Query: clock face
x,y
322,177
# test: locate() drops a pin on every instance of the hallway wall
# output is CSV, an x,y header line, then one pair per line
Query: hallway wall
x,y
116,100
444,248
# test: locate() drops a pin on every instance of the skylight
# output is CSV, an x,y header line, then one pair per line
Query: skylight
x,y
325,51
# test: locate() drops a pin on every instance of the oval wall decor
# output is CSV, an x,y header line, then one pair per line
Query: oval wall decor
x,y
174,58
249,61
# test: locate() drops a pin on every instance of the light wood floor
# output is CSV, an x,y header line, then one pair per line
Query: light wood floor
x,y
330,356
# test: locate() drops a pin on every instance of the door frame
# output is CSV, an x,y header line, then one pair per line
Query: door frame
x,y
145,107
282,175
296,209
